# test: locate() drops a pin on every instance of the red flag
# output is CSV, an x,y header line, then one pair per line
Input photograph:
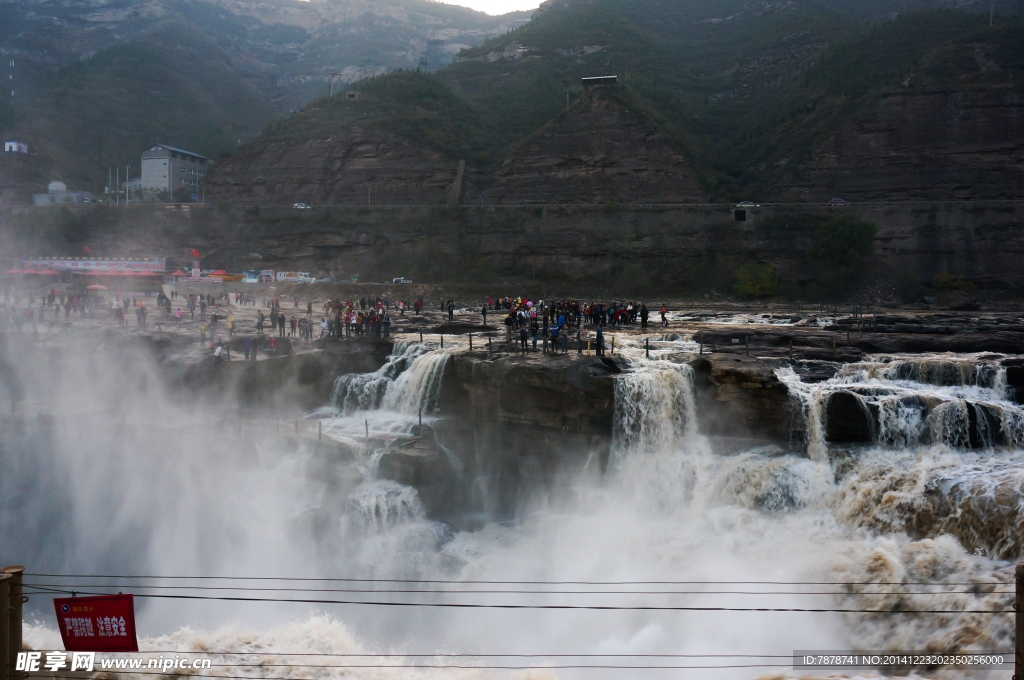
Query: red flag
x,y
195,253
88,249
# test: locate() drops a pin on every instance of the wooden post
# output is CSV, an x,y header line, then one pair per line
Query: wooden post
x,y
367,424
16,600
1018,615
5,627
442,342
421,337
647,343
489,344
470,342
613,344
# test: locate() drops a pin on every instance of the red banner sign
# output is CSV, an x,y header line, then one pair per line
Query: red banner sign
x,y
97,624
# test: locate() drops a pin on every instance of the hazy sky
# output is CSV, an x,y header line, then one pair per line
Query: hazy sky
x,y
496,6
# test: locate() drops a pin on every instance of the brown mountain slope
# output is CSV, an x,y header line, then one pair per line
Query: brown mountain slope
x,y
354,167
599,151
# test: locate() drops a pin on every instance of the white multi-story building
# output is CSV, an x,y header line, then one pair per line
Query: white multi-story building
x,y
165,168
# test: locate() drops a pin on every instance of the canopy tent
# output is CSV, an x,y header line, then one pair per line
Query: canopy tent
x,y
95,286
219,272
178,272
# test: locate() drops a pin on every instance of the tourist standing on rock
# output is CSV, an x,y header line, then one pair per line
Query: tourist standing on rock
x,y
387,326
534,329
451,311
202,333
599,342
644,314
664,319
272,344
231,326
483,312
259,321
245,346
523,336
202,308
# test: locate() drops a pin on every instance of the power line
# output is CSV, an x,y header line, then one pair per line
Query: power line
x,y
531,583
513,592
466,605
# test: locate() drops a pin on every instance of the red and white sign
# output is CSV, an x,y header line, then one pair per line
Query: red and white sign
x,y
105,623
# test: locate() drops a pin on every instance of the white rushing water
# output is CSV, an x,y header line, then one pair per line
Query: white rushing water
x,y
193,499
910,402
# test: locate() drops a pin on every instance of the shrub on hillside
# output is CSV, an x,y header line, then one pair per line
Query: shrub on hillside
x,y
839,250
755,281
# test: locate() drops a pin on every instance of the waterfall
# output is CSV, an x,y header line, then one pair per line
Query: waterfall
x,y
408,382
654,408
381,504
419,387
960,402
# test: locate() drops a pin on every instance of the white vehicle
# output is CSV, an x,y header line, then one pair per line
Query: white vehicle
x,y
400,279
295,277
300,206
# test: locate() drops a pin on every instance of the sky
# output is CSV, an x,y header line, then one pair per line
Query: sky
x,y
496,6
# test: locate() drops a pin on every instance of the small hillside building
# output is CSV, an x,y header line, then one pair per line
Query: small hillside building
x,y
15,147
57,194
166,168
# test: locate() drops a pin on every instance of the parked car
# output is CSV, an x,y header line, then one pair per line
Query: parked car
x,y
300,206
837,201
401,279
747,204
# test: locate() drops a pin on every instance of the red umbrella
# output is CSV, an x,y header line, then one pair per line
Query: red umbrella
x,y
178,272
95,287
219,272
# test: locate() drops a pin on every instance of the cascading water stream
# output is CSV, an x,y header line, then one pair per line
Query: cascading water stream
x,y
654,408
957,401
409,382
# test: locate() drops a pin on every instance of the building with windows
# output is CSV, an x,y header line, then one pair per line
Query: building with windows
x,y
166,168
15,147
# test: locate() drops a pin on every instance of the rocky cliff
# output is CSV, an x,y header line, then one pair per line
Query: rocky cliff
x,y
614,252
599,151
355,167
924,143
